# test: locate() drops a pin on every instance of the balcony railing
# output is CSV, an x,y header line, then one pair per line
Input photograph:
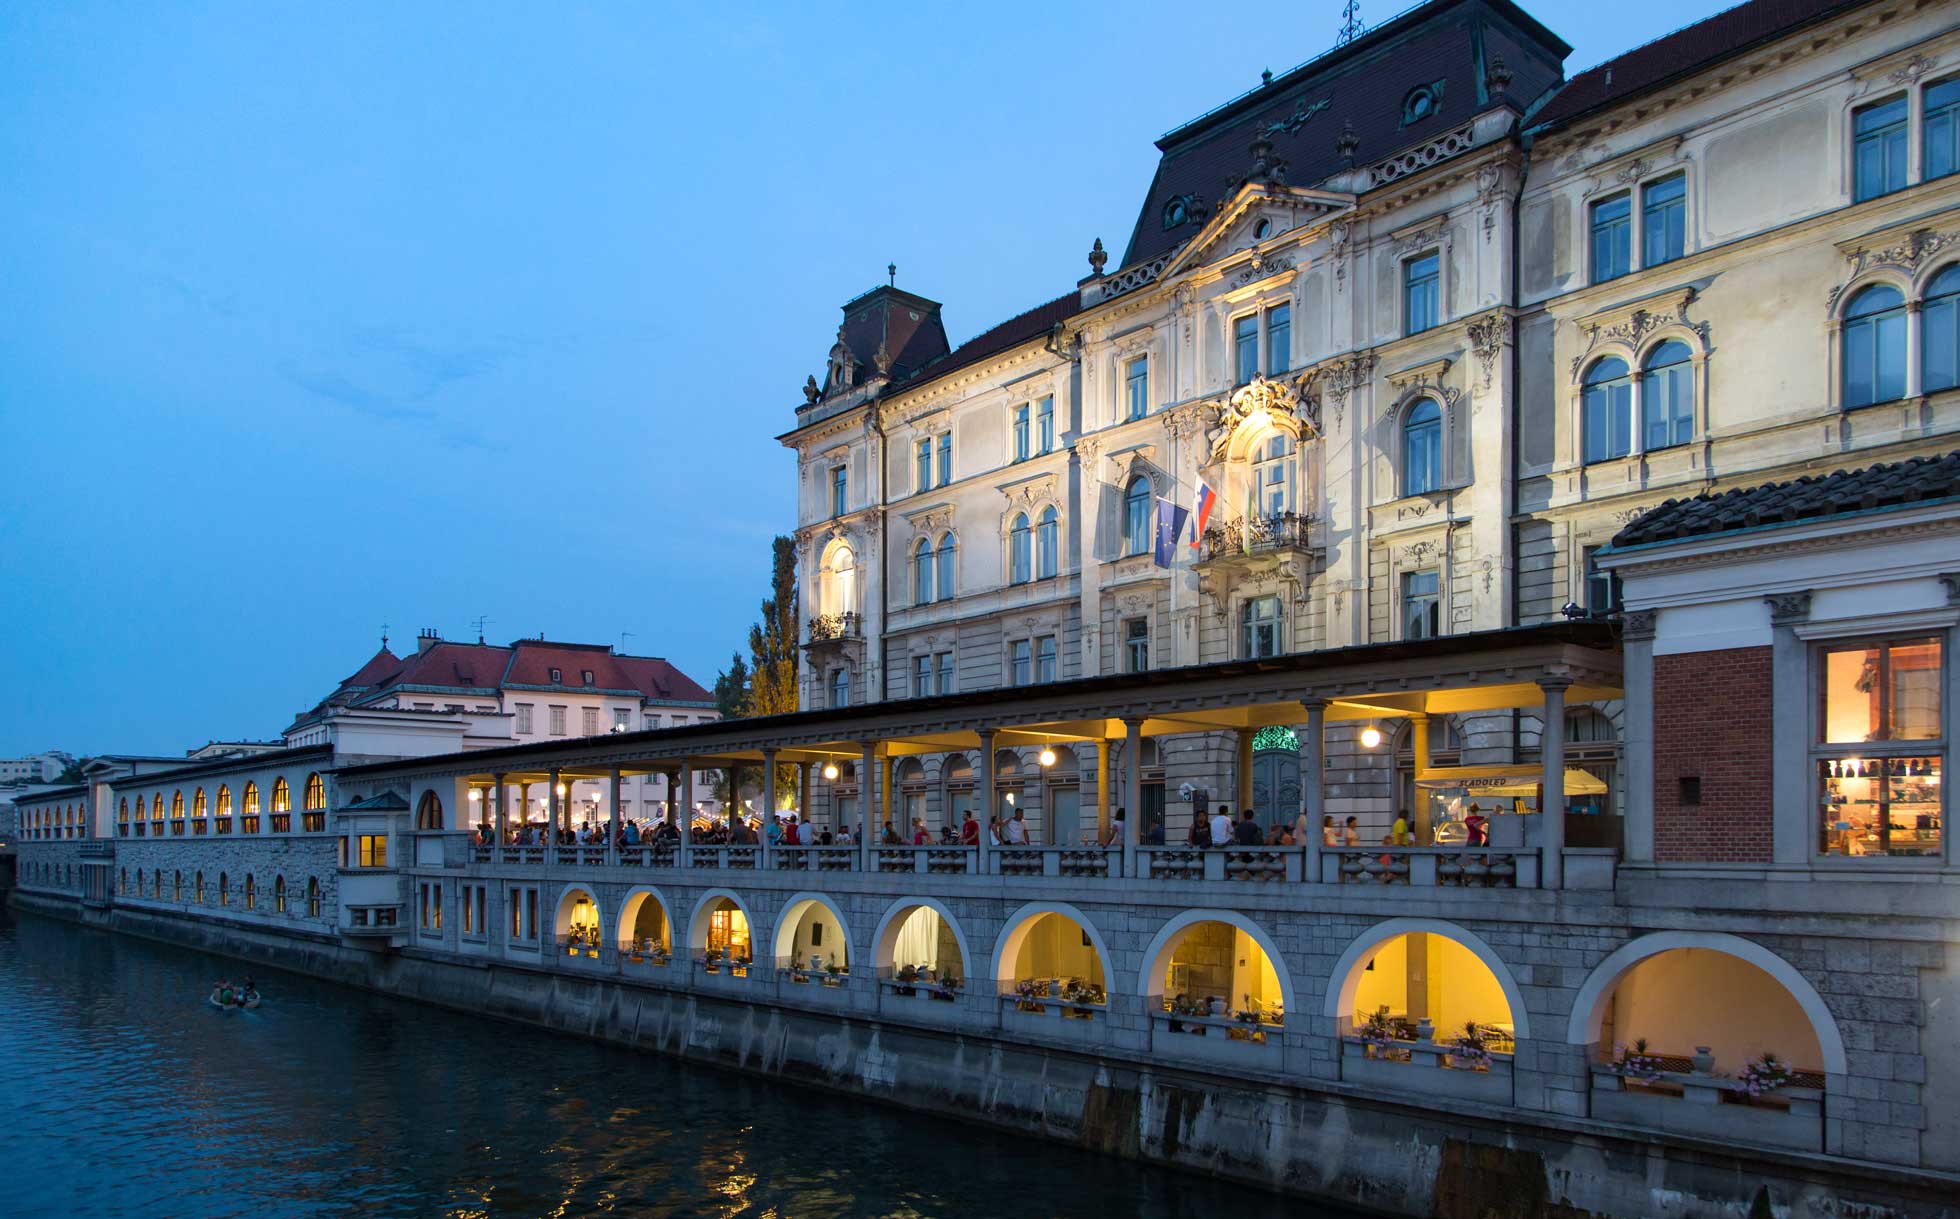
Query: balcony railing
x,y
1255,535
826,628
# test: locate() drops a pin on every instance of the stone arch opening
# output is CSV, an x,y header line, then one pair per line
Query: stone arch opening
x,y
1216,962
578,921
920,941
1051,946
645,927
720,929
811,936
1425,971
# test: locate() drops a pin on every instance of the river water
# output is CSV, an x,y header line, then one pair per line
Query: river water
x,y
125,1094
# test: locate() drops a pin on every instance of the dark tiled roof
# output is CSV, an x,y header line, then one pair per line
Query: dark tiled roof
x,y
1363,83
1683,52
1016,330
1900,484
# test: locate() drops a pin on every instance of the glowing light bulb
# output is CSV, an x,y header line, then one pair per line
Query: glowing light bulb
x,y
830,770
1047,757
1371,737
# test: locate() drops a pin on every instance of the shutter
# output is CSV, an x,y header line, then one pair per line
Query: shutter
x,y
1109,522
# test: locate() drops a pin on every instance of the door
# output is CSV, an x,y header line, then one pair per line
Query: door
x,y
1064,816
1276,785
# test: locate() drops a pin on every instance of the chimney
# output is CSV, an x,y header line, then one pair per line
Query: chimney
x,y
425,639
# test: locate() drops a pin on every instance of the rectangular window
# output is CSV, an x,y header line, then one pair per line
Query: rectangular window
x,y
1612,238
1422,293
373,850
1941,130
1136,387
1245,348
524,718
923,475
622,718
1260,621
1279,339
1136,645
1044,425
588,721
1664,220
945,458
1602,587
1020,663
651,720
1021,451
1044,658
468,904
557,721
840,688
921,676
838,482
1422,604
945,673
1881,742
1878,142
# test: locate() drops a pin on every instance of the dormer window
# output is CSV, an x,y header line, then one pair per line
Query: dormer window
x,y
1262,230
587,676
1176,212
557,676
1421,103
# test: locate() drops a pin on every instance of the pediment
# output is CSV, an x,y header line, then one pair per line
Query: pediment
x,y
1233,226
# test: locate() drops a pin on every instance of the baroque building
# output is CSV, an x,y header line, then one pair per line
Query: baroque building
x,y
1431,322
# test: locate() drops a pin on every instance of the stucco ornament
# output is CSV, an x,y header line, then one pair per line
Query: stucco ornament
x,y
1263,397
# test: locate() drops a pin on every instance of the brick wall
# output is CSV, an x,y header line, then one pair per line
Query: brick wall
x,y
1712,713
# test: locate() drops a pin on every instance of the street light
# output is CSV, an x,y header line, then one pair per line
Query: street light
x,y
830,771
1371,737
1047,757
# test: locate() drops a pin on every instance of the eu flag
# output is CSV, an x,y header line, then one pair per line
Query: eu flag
x,y
1170,523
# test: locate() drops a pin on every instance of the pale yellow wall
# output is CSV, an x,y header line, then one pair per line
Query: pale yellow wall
x,y
803,944
649,922
1054,949
1387,984
1457,986
1692,997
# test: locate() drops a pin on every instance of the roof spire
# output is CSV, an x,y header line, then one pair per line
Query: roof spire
x,y
1351,26
891,274
384,636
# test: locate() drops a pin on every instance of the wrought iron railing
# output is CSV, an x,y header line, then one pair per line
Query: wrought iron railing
x,y
825,627
1259,535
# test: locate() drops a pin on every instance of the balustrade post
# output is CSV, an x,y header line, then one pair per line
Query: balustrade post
x,y
684,787
769,817
1313,790
867,780
986,796
885,798
1551,802
612,825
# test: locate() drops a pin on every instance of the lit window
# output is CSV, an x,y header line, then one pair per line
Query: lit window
x,y
1044,658
1136,387
316,794
1612,238
1259,627
1422,293
1047,544
1422,605
1020,550
1663,220
1607,411
1874,346
1044,425
1020,663
1880,747
1667,396
1245,348
373,850
1136,516
1021,433
1940,135
1422,449
1878,149
1939,313
198,806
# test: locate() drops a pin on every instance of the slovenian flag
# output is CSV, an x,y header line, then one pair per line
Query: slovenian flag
x,y
1206,499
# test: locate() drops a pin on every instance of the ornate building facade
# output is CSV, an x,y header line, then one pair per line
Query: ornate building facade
x,y
1432,322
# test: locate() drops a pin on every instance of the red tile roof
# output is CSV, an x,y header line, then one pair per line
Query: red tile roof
x,y
1682,53
376,670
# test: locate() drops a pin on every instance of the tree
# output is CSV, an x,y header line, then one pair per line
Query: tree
x,y
732,689
773,641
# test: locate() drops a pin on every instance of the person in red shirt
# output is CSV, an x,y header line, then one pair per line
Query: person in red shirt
x,y
969,831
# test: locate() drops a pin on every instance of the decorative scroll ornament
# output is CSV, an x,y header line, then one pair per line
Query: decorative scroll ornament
x,y
1342,377
1636,326
1490,193
1260,267
1906,256
1274,400
1913,69
1788,608
1488,334
1303,111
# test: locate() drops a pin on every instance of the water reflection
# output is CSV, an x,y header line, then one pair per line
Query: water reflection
x,y
127,1094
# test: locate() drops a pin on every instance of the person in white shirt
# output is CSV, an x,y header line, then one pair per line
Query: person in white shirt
x,y
1221,828
1017,830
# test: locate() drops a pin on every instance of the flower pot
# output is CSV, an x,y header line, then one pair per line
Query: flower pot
x,y
1425,1030
1703,1060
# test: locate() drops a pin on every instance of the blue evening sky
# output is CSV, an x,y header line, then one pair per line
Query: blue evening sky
x,y
314,317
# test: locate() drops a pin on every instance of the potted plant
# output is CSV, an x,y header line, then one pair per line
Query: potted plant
x,y
1636,1063
905,980
948,988
1467,1050
1764,1076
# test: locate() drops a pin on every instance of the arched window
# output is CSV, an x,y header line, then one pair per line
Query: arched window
x,y
251,893
282,796
316,794
177,806
251,798
1874,347
199,808
1271,491
312,897
1422,448
839,592
224,889
1667,396
943,583
122,809
224,801
156,808
922,573
1939,313
176,885
279,895
1136,516
1047,544
1607,416
428,814
1020,550
197,893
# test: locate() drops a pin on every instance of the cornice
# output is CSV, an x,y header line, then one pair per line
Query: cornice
x,y
1800,537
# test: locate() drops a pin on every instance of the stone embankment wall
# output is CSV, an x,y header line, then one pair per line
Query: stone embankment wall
x,y
1323,1140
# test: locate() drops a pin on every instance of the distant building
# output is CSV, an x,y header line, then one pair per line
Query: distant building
x,y
36,768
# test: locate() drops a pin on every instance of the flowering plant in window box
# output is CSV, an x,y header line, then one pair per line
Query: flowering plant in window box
x,y
1635,1063
948,988
1764,1075
1468,1051
1078,991
903,981
1379,1034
